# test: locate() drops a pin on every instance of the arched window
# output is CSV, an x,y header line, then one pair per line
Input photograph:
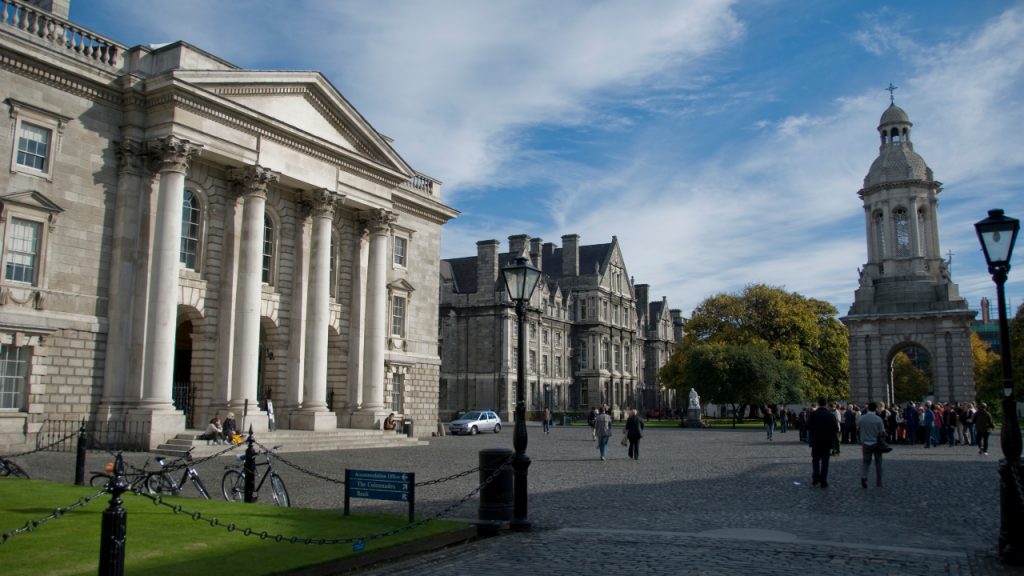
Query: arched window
x,y
268,249
190,214
879,235
901,228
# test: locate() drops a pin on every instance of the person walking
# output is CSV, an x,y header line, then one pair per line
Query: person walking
x,y
769,423
783,419
929,426
602,430
872,434
983,424
822,428
547,421
634,432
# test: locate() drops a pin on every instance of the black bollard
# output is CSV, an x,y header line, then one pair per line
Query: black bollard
x,y
80,456
496,496
250,468
114,531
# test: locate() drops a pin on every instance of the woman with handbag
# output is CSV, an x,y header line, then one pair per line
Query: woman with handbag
x,y
634,432
872,435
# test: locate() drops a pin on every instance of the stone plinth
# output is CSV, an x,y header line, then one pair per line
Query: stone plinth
x,y
693,418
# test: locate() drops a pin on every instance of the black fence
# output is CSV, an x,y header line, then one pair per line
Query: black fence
x,y
61,435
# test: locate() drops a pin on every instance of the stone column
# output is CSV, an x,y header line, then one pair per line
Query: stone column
x,y
297,324
314,414
357,331
252,182
155,405
119,368
372,413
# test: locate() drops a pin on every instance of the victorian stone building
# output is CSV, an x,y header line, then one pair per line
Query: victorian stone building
x,y
182,237
588,330
906,299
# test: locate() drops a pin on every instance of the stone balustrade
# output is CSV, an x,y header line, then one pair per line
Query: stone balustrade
x,y
60,34
423,185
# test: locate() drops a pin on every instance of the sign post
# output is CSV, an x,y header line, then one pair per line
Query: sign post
x,y
379,485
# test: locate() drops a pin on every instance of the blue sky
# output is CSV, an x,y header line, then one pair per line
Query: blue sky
x,y
723,143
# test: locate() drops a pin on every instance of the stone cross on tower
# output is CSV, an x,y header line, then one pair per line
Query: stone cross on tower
x,y
891,89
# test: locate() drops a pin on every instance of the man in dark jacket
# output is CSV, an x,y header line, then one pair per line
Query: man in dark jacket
x,y
822,427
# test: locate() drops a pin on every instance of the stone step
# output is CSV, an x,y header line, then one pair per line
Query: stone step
x,y
294,441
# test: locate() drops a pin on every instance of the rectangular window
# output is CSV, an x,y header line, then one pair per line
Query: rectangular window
x,y
397,384
544,364
14,363
583,354
558,366
401,246
545,336
23,251
615,356
583,309
34,147
268,249
533,361
398,316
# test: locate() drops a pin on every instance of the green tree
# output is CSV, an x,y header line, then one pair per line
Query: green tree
x,y
1017,350
802,333
988,372
909,383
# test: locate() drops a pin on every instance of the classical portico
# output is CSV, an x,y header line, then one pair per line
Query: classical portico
x,y
906,298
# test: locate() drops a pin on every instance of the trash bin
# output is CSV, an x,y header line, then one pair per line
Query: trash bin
x,y
407,427
495,496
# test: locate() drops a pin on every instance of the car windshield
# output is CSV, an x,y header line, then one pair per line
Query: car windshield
x,y
470,416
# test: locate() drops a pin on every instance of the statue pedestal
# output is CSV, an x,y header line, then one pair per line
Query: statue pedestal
x,y
693,418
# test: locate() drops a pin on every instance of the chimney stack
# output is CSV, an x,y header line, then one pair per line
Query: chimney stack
x,y
517,245
984,311
571,255
486,266
535,253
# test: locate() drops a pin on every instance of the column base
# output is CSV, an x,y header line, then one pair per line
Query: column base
x,y
150,427
368,419
313,420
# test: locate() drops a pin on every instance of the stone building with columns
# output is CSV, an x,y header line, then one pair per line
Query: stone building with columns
x,y
182,238
587,330
906,300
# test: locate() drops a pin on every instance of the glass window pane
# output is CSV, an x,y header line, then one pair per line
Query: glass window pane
x,y
398,316
33,146
23,251
268,248
13,376
189,230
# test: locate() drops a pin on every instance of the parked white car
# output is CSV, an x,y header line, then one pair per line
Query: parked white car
x,y
475,421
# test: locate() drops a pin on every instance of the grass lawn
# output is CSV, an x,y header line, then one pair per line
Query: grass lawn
x,y
159,541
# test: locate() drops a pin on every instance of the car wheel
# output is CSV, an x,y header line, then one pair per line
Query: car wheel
x,y
497,428
472,431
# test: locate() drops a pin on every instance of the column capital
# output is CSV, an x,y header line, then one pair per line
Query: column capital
x,y
130,156
321,202
379,220
252,180
172,154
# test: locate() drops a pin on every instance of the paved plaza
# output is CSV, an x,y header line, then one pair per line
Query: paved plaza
x,y
697,502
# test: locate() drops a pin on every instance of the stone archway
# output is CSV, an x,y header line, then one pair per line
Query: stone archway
x,y
911,373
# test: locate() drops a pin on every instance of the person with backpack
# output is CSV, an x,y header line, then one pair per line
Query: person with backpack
x,y
984,424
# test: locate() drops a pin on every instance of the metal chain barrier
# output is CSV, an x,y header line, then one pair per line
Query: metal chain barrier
x,y
58,513
281,538
317,475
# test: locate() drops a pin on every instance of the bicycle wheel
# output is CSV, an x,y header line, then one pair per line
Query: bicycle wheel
x,y
233,486
10,468
99,480
200,486
279,491
160,484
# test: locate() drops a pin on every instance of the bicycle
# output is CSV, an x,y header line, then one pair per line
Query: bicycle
x,y
233,483
163,483
138,479
9,468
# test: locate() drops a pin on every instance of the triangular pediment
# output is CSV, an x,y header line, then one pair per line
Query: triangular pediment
x,y
31,199
305,101
401,285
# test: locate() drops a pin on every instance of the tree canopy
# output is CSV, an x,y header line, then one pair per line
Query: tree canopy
x,y
909,383
776,345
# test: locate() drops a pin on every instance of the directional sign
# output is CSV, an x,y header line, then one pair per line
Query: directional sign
x,y
381,485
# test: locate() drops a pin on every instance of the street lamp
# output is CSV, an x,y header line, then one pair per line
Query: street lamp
x,y
997,234
520,281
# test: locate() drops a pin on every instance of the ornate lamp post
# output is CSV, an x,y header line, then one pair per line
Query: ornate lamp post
x,y
520,281
997,234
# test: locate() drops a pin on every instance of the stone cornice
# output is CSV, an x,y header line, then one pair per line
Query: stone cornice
x,y
927,184
60,79
423,207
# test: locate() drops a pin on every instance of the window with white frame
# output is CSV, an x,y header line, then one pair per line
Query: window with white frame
x,y
606,354
400,249
332,279
533,361
615,356
37,134
558,366
397,385
268,249
14,370
399,304
583,309
21,262
545,336
544,366
190,222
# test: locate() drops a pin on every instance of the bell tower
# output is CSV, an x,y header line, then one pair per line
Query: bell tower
x,y
906,300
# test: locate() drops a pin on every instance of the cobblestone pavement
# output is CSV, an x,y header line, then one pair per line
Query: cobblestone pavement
x,y
698,501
